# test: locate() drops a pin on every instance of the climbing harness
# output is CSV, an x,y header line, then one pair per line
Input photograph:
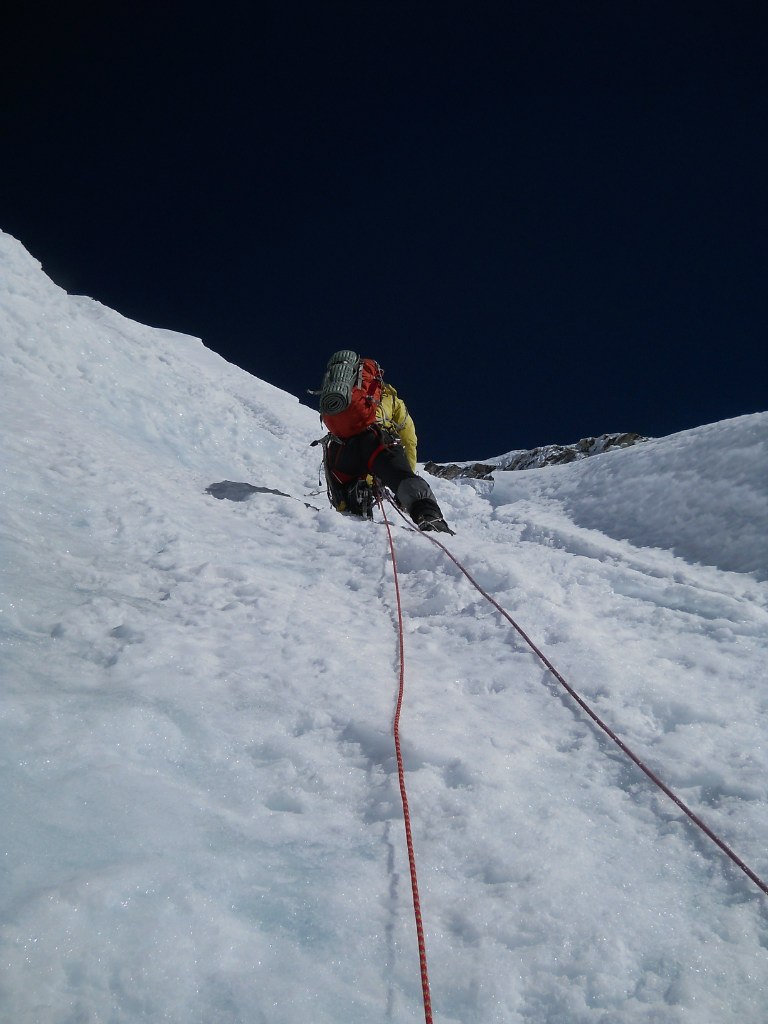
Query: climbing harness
x,y
354,496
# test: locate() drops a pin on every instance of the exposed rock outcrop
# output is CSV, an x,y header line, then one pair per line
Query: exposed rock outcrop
x,y
536,458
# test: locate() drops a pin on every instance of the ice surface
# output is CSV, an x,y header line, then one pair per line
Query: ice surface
x,y
201,819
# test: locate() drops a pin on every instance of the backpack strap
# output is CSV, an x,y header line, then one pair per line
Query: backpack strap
x,y
375,384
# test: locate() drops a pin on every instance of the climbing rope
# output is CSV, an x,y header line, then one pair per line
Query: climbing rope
x,y
401,776
592,714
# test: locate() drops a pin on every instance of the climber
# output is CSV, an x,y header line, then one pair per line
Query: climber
x,y
371,436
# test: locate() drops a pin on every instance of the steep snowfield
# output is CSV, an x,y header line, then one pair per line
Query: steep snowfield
x,y
201,819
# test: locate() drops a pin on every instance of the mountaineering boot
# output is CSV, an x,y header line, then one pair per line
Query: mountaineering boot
x,y
426,515
439,525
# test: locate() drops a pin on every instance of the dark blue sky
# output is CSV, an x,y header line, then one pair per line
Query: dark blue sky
x,y
545,220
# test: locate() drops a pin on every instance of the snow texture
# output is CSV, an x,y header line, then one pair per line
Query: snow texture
x,y
201,818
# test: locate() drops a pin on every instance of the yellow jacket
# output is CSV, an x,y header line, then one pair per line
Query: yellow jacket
x,y
393,415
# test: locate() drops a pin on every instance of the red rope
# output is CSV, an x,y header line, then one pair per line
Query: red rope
x,y
403,795
598,721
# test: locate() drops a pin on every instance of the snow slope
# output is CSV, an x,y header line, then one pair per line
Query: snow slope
x,y
198,789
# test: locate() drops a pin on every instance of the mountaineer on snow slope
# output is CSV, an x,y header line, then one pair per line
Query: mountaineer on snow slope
x,y
371,436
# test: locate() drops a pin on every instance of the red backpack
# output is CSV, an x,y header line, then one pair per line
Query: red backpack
x,y
364,400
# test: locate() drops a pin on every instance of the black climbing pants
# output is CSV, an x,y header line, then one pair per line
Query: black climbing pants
x,y
380,454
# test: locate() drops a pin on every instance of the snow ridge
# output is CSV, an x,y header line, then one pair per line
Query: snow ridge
x,y
198,779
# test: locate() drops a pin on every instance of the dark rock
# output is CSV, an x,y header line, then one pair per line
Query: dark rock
x,y
537,458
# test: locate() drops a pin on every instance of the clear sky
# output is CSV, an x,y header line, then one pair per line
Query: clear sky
x,y
545,220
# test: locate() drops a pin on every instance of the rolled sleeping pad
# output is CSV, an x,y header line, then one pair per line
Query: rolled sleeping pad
x,y
341,375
